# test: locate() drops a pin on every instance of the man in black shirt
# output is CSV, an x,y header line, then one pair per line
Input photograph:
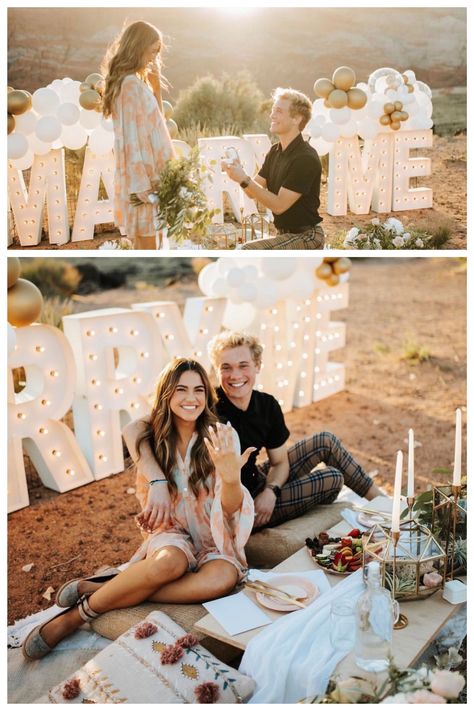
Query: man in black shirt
x,y
288,183
287,484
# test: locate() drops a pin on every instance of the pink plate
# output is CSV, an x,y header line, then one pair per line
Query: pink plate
x,y
292,584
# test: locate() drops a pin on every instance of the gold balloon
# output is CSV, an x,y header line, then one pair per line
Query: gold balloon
x,y
327,104
343,78
24,303
404,116
332,280
167,109
396,116
323,87
389,108
398,105
337,99
342,265
14,270
330,260
93,78
100,86
90,99
18,102
84,87
395,125
172,128
405,78
11,123
384,120
356,98
411,88
323,271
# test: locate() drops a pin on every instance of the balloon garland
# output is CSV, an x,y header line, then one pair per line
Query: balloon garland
x,y
331,269
24,301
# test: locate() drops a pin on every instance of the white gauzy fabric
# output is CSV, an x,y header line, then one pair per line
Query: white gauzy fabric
x,y
293,658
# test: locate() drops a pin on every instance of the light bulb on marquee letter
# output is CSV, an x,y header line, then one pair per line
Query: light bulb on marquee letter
x,y
405,197
106,389
34,414
91,211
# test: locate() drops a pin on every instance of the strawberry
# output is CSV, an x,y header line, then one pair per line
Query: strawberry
x,y
346,542
355,533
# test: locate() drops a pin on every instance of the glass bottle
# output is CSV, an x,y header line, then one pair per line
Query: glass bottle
x,y
374,624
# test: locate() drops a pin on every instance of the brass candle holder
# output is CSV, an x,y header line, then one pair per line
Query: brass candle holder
x,y
402,620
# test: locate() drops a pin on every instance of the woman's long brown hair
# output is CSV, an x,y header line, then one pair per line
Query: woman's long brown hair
x,y
161,432
125,56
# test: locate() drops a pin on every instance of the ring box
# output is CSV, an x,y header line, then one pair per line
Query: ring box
x,y
455,592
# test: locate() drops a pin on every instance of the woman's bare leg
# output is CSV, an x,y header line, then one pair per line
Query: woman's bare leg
x,y
130,587
145,242
215,579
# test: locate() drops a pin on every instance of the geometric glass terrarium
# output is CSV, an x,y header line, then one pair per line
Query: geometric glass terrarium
x,y
449,523
403,567
255,226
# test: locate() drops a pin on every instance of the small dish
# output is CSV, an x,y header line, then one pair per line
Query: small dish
x,y
369,520
331,571
292,584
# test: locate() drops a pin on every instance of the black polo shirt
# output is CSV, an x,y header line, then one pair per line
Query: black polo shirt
x,y
296,168
261,425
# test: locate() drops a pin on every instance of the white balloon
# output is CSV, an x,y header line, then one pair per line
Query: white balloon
x,y
362,85
321,146
233,295
219,288
391,95
207,277
26,162
100,141
74,137
375,108
48,129
267,294
409,99
66,80
11,339
330,132
70,92
410,75
248,291
238,317
45,101
250,271
224,264
313,129
56,85
277,268
235,277
340,116
17,146
300,286
349,129
68,113
319,120
381,73
39,148
380,85
26,123
402,92
107,123
89,119
368,129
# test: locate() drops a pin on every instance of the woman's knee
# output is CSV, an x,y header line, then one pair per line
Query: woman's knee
x,y
222,577
167,564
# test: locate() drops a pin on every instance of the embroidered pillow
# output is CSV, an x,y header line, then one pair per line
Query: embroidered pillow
x,y
155,661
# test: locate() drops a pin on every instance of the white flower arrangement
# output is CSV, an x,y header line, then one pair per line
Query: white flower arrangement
x,y
392,234
122,243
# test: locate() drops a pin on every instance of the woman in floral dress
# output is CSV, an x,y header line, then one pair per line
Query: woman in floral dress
x,y
200,555
142,143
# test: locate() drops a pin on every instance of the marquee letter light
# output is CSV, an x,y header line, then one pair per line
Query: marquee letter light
x,y
118,357
90,210
34,414
211,153
405,197
48,180
189,334
261,144
356,179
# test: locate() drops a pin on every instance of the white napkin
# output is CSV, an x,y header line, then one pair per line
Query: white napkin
x,y
293,659
352,518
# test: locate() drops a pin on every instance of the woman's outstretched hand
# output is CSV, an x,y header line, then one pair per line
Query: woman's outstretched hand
x,y
156,513
221,447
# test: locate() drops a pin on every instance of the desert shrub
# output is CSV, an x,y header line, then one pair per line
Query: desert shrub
x,y
53,277
54,309
217,103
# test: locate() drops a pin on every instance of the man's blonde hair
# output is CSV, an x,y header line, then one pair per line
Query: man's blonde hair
x,y
300,104
234,339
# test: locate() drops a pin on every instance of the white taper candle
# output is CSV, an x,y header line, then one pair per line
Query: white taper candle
x,y
457,450
397,488
411,465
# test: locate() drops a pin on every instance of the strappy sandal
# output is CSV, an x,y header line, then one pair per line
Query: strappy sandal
x,y
34,647
68,594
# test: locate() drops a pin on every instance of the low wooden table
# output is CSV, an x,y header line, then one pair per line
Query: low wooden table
x,y
425,618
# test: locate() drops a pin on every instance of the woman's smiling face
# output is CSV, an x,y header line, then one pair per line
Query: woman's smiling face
x,y
151,53
189,398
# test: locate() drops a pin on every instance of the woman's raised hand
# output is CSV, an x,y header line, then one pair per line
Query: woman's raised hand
x,y
221,447
156,513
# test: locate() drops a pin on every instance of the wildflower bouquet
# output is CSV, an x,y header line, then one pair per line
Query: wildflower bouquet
x,y
179,201
393,235
122,243
408,686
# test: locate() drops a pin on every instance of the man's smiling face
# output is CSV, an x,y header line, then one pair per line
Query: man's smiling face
x,y
237,372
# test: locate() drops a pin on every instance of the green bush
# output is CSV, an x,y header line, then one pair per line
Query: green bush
x,y
53,277
216,103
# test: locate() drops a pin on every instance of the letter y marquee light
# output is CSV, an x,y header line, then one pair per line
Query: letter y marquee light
x,y
34,415
118,358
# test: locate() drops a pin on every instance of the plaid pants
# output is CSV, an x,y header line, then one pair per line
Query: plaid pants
x,y
311,239
307,487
